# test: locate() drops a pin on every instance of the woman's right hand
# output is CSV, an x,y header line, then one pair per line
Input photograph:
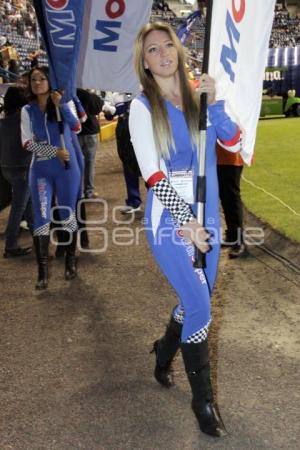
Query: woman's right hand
x,y
197,234
63,155
56,97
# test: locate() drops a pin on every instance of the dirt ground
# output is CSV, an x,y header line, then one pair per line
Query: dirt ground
x,y
76,369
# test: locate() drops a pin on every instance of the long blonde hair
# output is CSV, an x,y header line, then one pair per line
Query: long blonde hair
x,y
161,126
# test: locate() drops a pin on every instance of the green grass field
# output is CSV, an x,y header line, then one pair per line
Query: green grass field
x,y
276,170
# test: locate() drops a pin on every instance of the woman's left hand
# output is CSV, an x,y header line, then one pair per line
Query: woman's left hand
x,y
56,97
208,86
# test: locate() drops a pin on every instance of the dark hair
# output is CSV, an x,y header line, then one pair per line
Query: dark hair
x,y
14,99
24,75
50,109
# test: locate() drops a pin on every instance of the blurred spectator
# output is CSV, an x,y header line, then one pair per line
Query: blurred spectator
x,y
88,138
23,80
2,42
229,169
5,189
118,106
15,164
286,29
34,57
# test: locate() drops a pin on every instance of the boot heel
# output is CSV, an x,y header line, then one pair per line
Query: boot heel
x,y
196,361
165,350
155,347
70,268
209,419
41,284
70,259
41,244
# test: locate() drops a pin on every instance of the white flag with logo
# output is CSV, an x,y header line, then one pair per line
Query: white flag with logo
x,y
106,52
239,43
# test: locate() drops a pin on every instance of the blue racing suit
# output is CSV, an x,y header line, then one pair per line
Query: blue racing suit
x,y
48,175
173,253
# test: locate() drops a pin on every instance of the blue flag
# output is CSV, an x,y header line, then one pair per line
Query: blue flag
x,y
60,22
185,29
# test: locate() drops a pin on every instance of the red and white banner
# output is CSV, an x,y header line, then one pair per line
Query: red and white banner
x,y
106,53
239,43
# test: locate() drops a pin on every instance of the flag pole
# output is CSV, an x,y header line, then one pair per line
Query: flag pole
x,y
200,260
61,133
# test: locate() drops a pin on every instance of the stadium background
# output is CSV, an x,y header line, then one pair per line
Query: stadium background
x,y
20,44
75,369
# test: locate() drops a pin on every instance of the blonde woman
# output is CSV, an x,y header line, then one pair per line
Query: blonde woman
x,y
164,131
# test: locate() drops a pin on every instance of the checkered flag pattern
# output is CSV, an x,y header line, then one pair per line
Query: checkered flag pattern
x,y
199,336
70,224
44,230
42,151
179,209
178,315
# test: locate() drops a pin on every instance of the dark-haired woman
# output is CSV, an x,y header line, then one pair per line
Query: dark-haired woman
x,y
164,131
48,174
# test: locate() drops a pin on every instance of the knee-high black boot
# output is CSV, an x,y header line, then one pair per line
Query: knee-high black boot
x,y
41,244
81,221
196,361
62,237
165,349
70,261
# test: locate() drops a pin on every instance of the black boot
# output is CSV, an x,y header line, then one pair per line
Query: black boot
x,y
165,349
62,237
41,244
70,261
196,361
81,221
84,240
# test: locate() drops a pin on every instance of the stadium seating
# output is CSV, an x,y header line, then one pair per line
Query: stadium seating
x,y
285,32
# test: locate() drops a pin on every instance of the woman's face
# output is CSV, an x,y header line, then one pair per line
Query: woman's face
x,y
39,83
160,54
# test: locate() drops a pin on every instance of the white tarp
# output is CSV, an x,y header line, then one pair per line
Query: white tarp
x,y
238,55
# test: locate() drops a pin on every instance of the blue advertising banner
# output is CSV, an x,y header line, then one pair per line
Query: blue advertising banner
x,y
283,70
60,22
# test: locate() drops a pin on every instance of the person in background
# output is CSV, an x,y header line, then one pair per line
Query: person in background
x,y
34,57
163,125
118,106
88,138
230,167
49,173
15,165
23,81
5,191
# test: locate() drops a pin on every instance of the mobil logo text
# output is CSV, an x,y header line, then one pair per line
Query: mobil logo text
x,y
229,52
62,23
114,10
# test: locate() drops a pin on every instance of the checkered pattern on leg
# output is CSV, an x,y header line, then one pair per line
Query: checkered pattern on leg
x,y
44,230
70,224
199,336
178,315
173,202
